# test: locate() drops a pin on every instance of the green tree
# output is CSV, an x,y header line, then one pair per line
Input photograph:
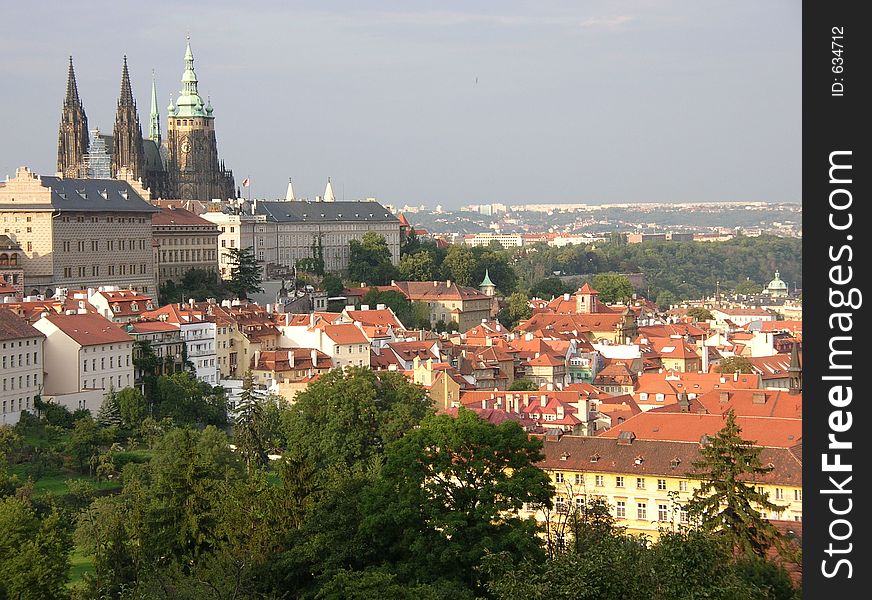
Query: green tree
x,y
245,275
188,401
34,552
733,364
466,481
726,501
523,384
332,284
85,443
248,426
517,309
109,414
700,314
349,416
613,287
548,288
748,287
370,260
420,266
132,407
460,265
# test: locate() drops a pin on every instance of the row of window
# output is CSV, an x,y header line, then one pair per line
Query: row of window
x,y
23,382
23,404
82,271
111,245
187,255
103,363
599,481
103,383
23,359
97,219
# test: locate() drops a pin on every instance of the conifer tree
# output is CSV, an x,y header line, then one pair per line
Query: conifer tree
x,y
726,502
248,425
109,414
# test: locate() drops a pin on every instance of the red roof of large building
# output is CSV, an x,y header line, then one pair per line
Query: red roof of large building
x,y
170,215
775,432
13,327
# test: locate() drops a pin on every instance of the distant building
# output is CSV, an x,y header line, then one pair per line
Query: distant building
x,y
281,233
777,288
11,259
506,240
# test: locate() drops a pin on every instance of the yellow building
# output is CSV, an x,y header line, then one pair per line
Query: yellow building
x,y
646,482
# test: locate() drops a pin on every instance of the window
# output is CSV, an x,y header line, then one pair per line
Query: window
x,y
640,483
662,512
620,509
619,481
661,484
641,510
579,479
797,495
598,479
558,477
682,486
779,494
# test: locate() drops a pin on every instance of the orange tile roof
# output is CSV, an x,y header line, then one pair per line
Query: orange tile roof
x,y
13,327
89,329
345,334
775,432
179,216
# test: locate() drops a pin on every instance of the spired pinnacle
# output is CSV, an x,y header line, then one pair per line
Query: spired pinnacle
x,y
126,98
154,116
72,98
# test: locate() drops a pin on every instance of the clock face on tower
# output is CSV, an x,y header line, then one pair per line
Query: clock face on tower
x,y
186,146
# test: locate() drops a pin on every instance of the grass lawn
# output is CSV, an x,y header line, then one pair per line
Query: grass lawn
x,y
79,565
54,482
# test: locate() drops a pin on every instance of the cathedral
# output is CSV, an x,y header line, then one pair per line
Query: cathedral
x,y
184,165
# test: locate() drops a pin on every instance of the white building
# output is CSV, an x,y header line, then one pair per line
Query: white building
x,y
199,336
21,366
85,356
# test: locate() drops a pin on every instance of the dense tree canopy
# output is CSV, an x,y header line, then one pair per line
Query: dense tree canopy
x,y
245,273
370,260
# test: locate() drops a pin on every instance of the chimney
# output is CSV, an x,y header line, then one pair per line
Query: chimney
x,y
543,400
566,297
736,376
379,306
314,357
724,397
625,438
758,398
435,284
484,402
364,307
256,358
447,283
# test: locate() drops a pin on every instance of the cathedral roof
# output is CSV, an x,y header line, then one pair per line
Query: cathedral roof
x,y
189,103
314,212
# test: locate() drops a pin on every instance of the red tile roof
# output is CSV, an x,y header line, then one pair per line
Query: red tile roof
x,y
13,327
89,329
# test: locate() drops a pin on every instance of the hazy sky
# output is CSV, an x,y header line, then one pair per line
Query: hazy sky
x,y
450,102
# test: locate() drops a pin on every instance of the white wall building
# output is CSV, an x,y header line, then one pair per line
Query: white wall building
x,y
21,366
85,356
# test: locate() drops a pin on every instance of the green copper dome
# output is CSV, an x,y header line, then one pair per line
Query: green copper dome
x,y
487,280
189,103
777,283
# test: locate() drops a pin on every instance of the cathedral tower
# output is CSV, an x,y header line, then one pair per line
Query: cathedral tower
x,y
73,130
192,148
127,135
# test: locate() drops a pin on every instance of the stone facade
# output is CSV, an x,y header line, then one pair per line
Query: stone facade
x,y
78,233
184,242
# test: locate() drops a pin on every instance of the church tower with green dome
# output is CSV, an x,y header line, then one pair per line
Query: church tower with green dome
x,y
192,147
777,288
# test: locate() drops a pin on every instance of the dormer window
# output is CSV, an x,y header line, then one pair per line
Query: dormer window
x,y
674,463
134,307
116,308
594,458
639,460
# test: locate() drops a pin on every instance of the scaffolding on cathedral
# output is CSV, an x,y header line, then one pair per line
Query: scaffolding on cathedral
x,y
96,163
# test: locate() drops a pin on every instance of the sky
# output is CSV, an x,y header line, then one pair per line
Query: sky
x,y
451,102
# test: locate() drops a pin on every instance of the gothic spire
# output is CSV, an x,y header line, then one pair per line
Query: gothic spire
x,y
126,98
73,130
189,102
127,150
72,98
154,117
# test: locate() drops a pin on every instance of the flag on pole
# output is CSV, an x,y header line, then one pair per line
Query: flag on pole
x,y
245,182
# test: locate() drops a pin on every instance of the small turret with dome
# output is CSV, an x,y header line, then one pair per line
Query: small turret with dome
x,y
777,288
